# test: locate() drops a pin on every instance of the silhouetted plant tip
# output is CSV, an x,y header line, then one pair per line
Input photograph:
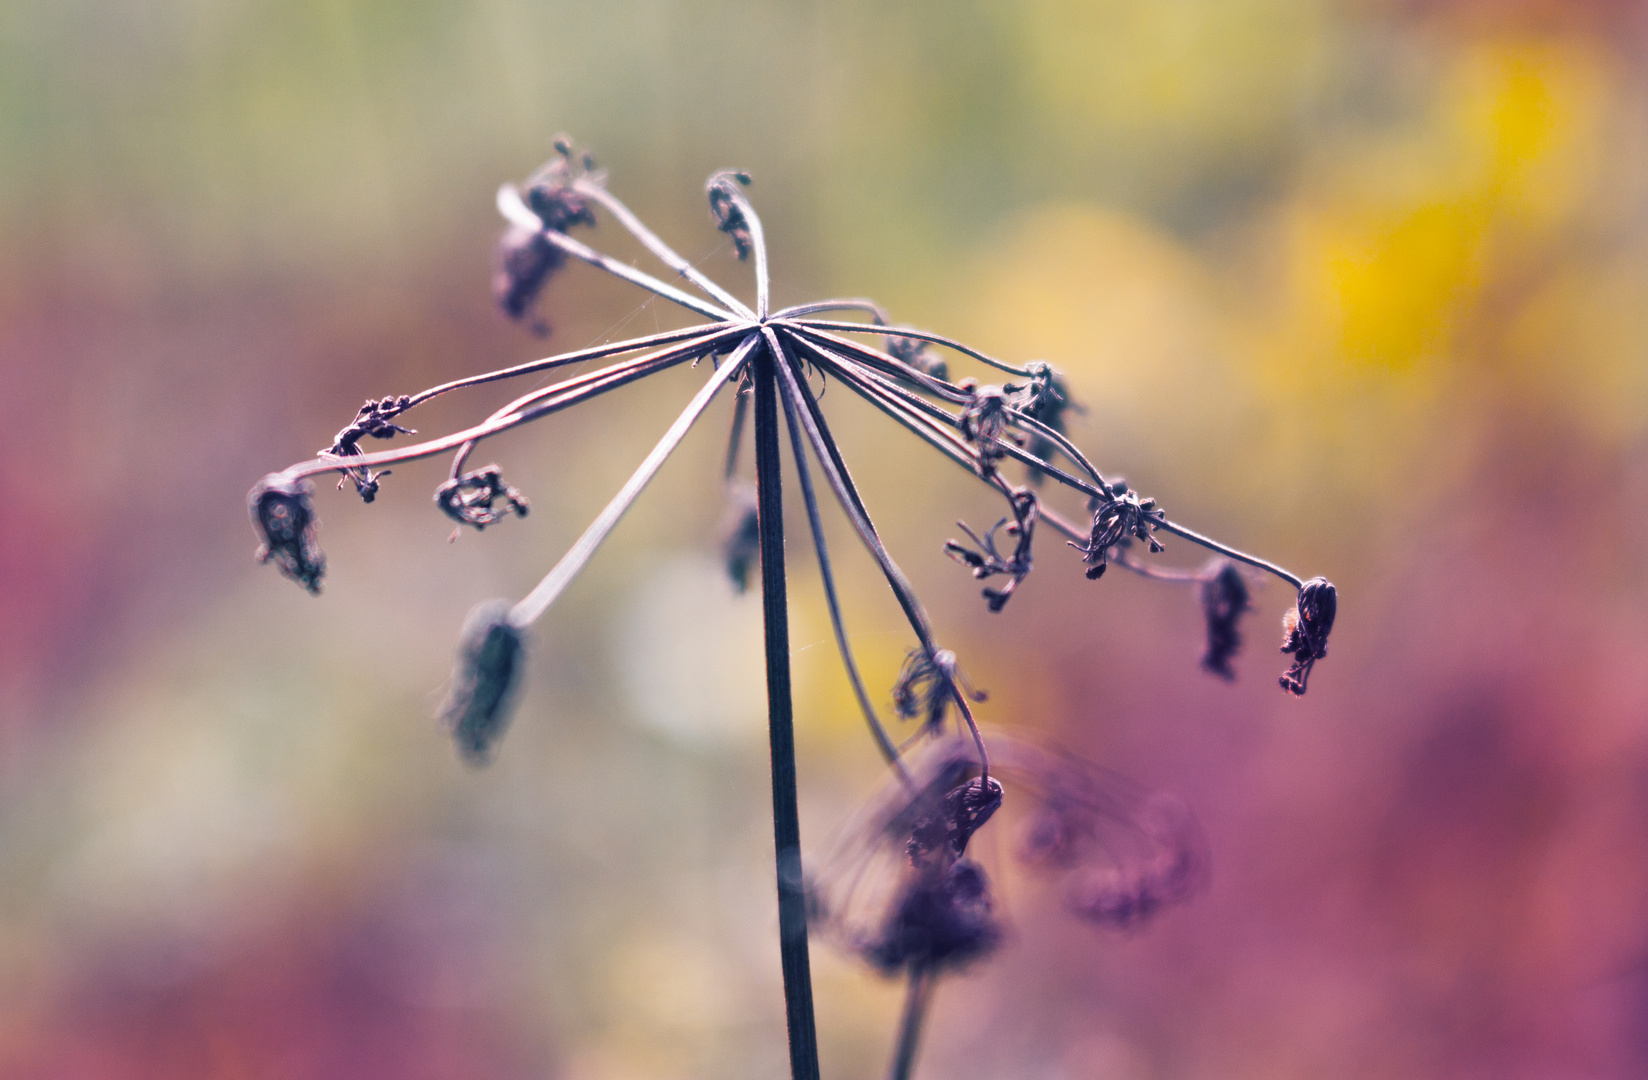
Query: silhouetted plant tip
x,y
474,498
986,560
491,650
1121,856
741,534
1224,602
1306,627
285,522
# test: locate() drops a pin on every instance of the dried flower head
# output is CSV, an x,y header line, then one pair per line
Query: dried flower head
x,y
491,649
1306,628
986,560
983,423
525,258
1121,517
1224,601
285,523
473,498
374,419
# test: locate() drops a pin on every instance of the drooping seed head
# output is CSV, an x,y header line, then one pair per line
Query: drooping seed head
x,y
285,523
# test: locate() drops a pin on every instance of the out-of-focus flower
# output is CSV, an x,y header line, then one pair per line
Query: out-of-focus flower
x,y
740,534
1224,601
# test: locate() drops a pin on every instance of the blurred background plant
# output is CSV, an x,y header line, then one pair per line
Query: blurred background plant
x,y
1362,283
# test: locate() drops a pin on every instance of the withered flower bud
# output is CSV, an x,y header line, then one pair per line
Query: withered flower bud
x,y
285,522
942,920
722,190
741,534
469,499
1307,627
1124,516
490,653
965,809
1224,601
375,419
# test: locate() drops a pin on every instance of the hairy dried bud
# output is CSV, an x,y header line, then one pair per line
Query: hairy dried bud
x,y
469,499
488,669
1224,601
1306,628
285,522
723,192
741,534
942,920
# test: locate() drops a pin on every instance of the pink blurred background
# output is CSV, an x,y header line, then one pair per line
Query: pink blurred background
x,y
1357,286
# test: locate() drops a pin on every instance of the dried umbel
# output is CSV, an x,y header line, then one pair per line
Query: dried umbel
x,y
935,910
285,521
490,653
1306,628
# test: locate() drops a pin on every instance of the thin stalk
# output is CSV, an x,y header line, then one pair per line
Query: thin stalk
x,y
792,900
827,575
516,211
741,405
538,600
877,360
920,335
665,253
811,418
617,348
856,303
576,390
916,998
758,240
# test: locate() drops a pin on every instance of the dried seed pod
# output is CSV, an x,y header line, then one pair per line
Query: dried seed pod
x,y
488,669
285,522
1306,628
1124,517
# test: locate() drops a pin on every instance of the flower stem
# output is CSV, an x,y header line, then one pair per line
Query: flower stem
x,y
920,991
792,906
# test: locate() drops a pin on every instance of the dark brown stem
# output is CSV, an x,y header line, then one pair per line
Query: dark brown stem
x,y
792,902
